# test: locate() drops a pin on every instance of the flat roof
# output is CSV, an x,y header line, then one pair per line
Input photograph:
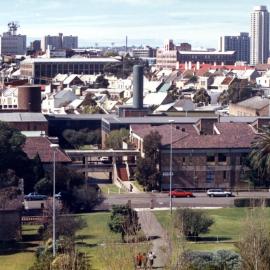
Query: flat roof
x,y
206,52
69,60
78,116
22,117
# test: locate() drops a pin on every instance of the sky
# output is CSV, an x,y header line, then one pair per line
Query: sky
x,y
145,22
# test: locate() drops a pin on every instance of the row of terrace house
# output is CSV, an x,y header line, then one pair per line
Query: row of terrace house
x,y
206,154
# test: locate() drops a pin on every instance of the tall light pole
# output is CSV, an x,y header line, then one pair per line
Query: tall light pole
x,y
171,172
54,147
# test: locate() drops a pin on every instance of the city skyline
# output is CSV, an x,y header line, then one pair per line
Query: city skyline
x,y
93,21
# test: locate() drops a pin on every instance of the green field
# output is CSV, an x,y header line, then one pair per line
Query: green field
x,y
20,256
111,188
96,240
223,233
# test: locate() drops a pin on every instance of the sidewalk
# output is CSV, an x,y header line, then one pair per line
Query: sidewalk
x,y
154,231
127,185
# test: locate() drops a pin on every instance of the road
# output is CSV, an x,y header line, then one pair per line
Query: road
x,y
161,200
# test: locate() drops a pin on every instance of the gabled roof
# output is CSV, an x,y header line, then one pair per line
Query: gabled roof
x,y
41,146
256,103
70,78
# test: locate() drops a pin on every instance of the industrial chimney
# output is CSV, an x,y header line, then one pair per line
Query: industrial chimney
x,y
138,87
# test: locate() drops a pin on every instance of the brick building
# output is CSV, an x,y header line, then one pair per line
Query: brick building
x,y
206,154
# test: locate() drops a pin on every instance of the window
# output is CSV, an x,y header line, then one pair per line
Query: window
x,y
224,175
210,158
210,176
222,157
184,160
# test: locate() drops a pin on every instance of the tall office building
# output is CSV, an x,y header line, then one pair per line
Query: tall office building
x,y
70,42
240,44
59,42
259,42
11,43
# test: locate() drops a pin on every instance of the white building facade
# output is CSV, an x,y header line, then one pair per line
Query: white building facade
x,y
259,42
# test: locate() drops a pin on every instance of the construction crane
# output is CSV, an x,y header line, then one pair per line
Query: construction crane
x,y
13,27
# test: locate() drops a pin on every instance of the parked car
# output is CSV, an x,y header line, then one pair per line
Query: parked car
x,y
178,193
34,196
219,193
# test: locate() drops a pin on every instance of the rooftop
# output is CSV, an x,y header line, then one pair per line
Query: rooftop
x,y
185,136
256,102
68,60
22,117
41,146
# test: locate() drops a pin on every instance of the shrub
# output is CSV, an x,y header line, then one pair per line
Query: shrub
x,y
252,202
192,222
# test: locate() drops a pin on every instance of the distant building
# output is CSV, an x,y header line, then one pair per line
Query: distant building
x,y
259,46
11,43
169,45
240,44
59,42
36,45
184,47
219,58
145,52
44,69
167,58
70,42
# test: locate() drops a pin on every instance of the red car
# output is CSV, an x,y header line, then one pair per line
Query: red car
x,y
181,193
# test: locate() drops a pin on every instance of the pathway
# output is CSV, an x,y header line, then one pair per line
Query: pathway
x,y
154,231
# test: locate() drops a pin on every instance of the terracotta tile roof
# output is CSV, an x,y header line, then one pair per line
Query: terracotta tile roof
x,y
231,135
41,145
227,80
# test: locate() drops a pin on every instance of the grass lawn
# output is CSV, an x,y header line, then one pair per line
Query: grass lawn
x,y
137,185
111,188
22,255
223,233
104,247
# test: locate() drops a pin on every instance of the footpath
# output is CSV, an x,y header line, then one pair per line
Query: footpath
x,y
158,237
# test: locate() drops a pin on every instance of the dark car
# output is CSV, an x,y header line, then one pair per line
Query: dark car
x,y
34,196
178,193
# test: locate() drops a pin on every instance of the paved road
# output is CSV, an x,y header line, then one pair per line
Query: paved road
x,y
161,200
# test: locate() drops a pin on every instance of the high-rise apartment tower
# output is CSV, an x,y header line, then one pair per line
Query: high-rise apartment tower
x,y
259,42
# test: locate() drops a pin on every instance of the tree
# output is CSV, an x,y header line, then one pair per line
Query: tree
x,y
66,180
124,220
89,100
146,169
254,244
260,154
238,90
116,137
193,79
82,137
201,97
192,222
101,82
147,173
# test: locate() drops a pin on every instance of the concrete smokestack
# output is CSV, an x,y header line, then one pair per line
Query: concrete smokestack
x,y
138,87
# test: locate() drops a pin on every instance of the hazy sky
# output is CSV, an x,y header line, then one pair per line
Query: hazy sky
x,y
199,22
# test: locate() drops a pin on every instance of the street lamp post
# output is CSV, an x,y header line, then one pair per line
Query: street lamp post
x,y
54,147
171,122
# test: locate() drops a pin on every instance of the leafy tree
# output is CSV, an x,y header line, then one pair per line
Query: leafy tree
x,y
239,90
89,100
147,173
146,170
124,220
66,180
254,244
201,97
82,137
192,222
116,137
260,155
193,79
101,82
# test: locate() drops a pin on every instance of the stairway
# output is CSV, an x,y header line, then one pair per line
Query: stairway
x,y
122,172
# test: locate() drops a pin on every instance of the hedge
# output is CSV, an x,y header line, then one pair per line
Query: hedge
x,y
252,202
